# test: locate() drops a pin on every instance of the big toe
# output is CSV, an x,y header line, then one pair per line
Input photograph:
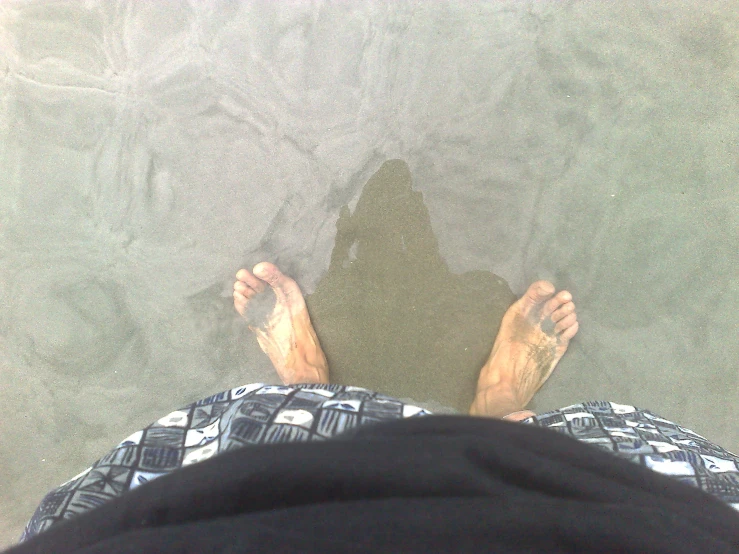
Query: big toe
x,y
539,292
266,272
285,288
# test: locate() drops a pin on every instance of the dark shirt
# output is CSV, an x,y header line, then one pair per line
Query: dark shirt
x,y
431,484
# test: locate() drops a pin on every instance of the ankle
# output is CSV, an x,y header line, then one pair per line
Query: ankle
x,y
495,402
308,374
519,416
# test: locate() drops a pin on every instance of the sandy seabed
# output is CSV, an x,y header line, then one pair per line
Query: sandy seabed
x,y
148,150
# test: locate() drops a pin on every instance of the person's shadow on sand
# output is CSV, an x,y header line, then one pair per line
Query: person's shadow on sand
x,y
390,315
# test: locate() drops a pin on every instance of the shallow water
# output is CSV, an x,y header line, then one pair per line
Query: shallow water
x,y
390,315
413,166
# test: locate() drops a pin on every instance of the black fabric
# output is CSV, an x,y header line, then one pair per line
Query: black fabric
x,y
432,484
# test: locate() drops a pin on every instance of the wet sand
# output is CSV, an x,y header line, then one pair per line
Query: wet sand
x,y
413,166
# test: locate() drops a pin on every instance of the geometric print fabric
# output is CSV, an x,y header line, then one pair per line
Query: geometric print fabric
x,y
261,414
649,440
243,416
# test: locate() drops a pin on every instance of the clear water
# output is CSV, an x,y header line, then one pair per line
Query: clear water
x,y
148,150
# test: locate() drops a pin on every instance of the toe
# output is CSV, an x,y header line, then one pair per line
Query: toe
x,y
544,288
539,291
563,298
565,323
285,288
267,272
240,302
250,280
571,332
562,312
242,289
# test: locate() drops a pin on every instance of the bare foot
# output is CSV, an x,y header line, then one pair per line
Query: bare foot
x,y
533,337
289,340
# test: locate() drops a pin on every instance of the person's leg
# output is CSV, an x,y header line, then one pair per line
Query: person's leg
x,y
533,337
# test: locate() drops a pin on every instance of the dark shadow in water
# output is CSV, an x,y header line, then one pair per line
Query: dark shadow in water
x,y
390,315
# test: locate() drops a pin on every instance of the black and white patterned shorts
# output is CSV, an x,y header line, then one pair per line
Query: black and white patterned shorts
x,y
261,414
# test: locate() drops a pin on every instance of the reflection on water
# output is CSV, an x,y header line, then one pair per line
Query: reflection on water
x,y
389,313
